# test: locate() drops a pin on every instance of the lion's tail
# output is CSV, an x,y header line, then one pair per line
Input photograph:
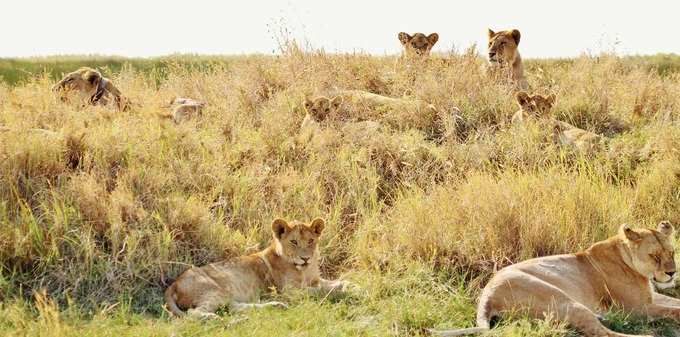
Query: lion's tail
x,y
170,301
484,316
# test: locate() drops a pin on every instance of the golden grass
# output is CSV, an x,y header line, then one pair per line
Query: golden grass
x,y
109,203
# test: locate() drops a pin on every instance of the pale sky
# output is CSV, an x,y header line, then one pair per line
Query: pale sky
x,y
154,28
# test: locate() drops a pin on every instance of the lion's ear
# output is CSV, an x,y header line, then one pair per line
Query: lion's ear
x,y
629,233
279,227
551,99
404,38
665,228
491,33
92,77
336,101
317,225
515,35
522,98
433,38
308,103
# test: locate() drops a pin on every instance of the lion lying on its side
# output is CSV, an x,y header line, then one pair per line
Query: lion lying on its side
x,y
292,260
573,288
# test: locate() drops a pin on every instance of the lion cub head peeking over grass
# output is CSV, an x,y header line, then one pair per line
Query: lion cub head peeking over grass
x,y
91,86
321,108
418,44
576,288
291,261
503,53
536,106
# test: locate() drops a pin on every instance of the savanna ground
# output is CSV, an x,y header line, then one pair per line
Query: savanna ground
x,y
95,216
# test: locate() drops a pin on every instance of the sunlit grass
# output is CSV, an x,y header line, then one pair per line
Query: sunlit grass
x,y
97,212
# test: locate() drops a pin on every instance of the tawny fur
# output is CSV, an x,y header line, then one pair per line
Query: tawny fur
x,y
574,288
91,87
538,107
322,112
417,44
503,53
184,109
291,261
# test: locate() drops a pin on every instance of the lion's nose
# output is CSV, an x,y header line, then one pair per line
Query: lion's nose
x,y
492,55
670,273
305,259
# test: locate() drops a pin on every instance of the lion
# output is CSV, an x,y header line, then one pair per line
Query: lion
x,y
92,87
291,261
574,288
360,111
582,140
536,106
503,53
184,109
418,44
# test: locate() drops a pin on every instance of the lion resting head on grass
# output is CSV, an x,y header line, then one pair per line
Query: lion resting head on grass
x,y
291,261
418,44
575,288
503,53
92,87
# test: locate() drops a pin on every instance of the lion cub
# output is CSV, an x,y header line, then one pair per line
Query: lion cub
x,y
91,86
185,108
503,53
291,261
535,106
418,44
574,288
539,107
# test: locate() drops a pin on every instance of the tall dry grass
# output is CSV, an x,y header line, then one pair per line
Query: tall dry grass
x,y
110,203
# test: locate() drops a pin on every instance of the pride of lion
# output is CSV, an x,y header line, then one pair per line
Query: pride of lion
x,y
576,288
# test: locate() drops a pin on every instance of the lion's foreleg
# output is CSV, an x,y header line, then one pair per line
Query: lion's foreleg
x,y
664,300
655,310
336,287
240,306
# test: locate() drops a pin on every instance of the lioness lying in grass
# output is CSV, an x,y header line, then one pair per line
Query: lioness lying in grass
x,y
574,288
292,260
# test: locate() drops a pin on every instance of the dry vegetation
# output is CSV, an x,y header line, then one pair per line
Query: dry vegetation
x,y
96,214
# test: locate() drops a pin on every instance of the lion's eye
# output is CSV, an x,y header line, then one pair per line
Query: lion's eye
x,y
311,241
327,110
294,242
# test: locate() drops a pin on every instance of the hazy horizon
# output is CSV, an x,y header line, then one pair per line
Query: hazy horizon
x,y
143,29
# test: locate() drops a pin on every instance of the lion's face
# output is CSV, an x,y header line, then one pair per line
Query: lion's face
x,y
419,43
652,252
322,107
503,46
83,79
297,242
536,105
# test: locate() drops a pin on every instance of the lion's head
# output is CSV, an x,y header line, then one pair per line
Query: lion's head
x,y
651,252
297,242
84,79
321,108
536,105
503,46
419,43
